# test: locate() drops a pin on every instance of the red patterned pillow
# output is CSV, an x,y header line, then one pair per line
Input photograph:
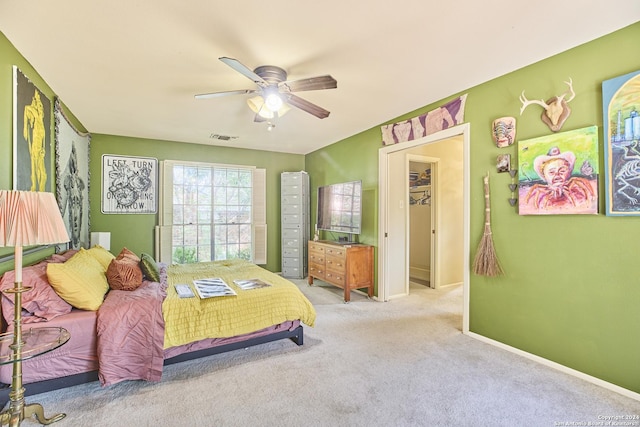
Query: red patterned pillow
x,y
128,255
124,273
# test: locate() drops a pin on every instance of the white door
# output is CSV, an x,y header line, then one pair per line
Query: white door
x,y
397,229
392,226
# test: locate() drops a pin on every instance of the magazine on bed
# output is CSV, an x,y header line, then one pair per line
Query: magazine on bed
x,y
247,284
213,287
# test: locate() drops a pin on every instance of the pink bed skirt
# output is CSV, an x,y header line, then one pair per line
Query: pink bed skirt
x,y
79,354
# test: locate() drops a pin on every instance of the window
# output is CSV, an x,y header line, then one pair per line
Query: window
x,y
211,212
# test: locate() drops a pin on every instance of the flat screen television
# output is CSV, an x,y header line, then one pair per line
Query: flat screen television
x,y
340,207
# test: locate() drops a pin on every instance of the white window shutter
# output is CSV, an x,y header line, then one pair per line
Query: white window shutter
x,y
163,233
166,193
163,244
259,216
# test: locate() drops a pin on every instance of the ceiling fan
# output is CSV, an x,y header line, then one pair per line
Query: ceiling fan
x,y
275,92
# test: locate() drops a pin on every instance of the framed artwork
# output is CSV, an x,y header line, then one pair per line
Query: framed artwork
x,y
558,173
31,136
621,105
129,184
72,177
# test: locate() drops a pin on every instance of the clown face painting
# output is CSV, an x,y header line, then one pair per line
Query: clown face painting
x,y
558,174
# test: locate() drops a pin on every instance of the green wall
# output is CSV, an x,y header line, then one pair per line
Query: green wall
x,y
570,293
136,231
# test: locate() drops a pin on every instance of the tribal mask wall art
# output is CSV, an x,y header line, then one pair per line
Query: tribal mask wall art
x,y
504,131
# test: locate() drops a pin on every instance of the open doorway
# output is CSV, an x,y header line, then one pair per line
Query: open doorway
x,y
422,220
393,249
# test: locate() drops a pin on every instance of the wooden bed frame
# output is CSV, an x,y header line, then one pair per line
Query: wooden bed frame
x,y
296,335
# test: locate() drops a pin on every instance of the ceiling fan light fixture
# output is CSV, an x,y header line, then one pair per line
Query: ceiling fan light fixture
x,y
258,106
273,102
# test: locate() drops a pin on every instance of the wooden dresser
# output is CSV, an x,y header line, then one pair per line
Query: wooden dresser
x,y
348,266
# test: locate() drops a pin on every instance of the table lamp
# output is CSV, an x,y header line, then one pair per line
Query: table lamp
x,y
101,238
27,218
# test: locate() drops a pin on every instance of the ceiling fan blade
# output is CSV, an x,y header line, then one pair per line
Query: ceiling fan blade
x,y
242,69
307,106
312,83
230,92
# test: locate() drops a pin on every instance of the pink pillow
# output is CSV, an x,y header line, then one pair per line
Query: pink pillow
x,y
41,303
62,257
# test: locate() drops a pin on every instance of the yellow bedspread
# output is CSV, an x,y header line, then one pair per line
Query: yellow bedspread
x,y
192,319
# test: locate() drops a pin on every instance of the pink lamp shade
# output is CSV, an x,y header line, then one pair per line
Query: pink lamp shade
x,y
30,218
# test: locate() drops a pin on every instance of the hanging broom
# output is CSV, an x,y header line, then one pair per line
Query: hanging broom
x,y
486,261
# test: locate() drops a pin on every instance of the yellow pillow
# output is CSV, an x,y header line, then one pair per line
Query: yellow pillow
x,y
80,281
103,256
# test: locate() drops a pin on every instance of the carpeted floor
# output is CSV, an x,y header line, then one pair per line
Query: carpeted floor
x,y
366,363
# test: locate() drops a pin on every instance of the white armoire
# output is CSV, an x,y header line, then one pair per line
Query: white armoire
x,y
294,190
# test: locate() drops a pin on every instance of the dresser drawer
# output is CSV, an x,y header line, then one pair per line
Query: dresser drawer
x,y
335,264
287,190
291,251
291,199
291,178
291,262
291,243
336,251
290,220
293,208
291,233
335,278
316,270
316,247
316,257
292,272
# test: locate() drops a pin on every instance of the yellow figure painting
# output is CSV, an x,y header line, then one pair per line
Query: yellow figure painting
x,y
34,133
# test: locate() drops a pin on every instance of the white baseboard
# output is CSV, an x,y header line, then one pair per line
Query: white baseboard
x,y
597,381
420,273
450,284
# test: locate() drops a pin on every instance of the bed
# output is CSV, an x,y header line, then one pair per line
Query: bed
x,y
134,331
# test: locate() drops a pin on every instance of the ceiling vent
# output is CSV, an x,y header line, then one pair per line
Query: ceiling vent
x,y
222,137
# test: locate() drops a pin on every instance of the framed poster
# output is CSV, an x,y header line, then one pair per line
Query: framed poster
x,y
31,136
72,177
558,173
621,110
129,184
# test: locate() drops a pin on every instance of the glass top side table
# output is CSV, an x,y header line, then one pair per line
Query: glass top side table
x,y
33,342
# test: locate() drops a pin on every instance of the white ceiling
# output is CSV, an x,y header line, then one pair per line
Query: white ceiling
x,y
132,67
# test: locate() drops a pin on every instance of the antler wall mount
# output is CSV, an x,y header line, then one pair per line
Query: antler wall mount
x,y
556,109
